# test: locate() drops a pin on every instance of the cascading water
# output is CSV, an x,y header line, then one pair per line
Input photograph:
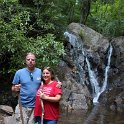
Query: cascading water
x,y
76,46
93,79
103,88
72,39
96,89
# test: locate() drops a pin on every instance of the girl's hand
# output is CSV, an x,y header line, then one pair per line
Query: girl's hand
x,y
42,95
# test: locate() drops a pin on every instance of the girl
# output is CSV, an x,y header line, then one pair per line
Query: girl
x,y
50,94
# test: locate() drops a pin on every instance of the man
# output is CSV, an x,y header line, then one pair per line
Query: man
x,y
26,80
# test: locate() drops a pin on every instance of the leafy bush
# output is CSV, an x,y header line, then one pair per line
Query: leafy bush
x,y
107,17
22,31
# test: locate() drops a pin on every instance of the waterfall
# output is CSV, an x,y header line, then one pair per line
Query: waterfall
x,y
72,39
93,79
95,99
97,90
76,46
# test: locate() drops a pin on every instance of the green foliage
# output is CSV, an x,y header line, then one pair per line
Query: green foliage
x,y
22,30
38,25
47,48
82,34
107,18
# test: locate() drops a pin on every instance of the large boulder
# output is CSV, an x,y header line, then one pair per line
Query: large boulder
x,y
73,71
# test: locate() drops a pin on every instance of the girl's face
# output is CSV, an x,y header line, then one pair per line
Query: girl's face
x,y
46,76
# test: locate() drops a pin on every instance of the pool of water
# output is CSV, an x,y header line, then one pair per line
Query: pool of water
x,y
97,115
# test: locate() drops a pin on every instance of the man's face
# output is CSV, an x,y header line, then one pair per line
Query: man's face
x,y
30,61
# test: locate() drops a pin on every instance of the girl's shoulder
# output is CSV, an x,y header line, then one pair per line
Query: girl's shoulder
x,y
55,82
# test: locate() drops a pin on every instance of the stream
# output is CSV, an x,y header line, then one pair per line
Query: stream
x,y
99,114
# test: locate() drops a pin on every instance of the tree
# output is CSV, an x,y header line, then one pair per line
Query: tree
x,y
22,30
107,17
85,10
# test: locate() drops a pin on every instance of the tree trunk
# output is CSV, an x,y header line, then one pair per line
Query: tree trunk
x,y
85,10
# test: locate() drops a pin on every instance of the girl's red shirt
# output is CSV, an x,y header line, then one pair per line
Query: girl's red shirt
x,y
51,109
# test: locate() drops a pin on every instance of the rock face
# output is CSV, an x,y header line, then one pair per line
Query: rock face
x,y
6,109
73,69
117,64
5,114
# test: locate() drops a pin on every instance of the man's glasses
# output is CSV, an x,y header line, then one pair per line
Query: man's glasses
x,y
31,76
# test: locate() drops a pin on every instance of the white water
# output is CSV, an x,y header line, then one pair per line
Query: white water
x,y
93,79
74,42
72,38
103,88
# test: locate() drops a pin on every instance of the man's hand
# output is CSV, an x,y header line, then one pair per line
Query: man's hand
x,y
16,87
59,85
